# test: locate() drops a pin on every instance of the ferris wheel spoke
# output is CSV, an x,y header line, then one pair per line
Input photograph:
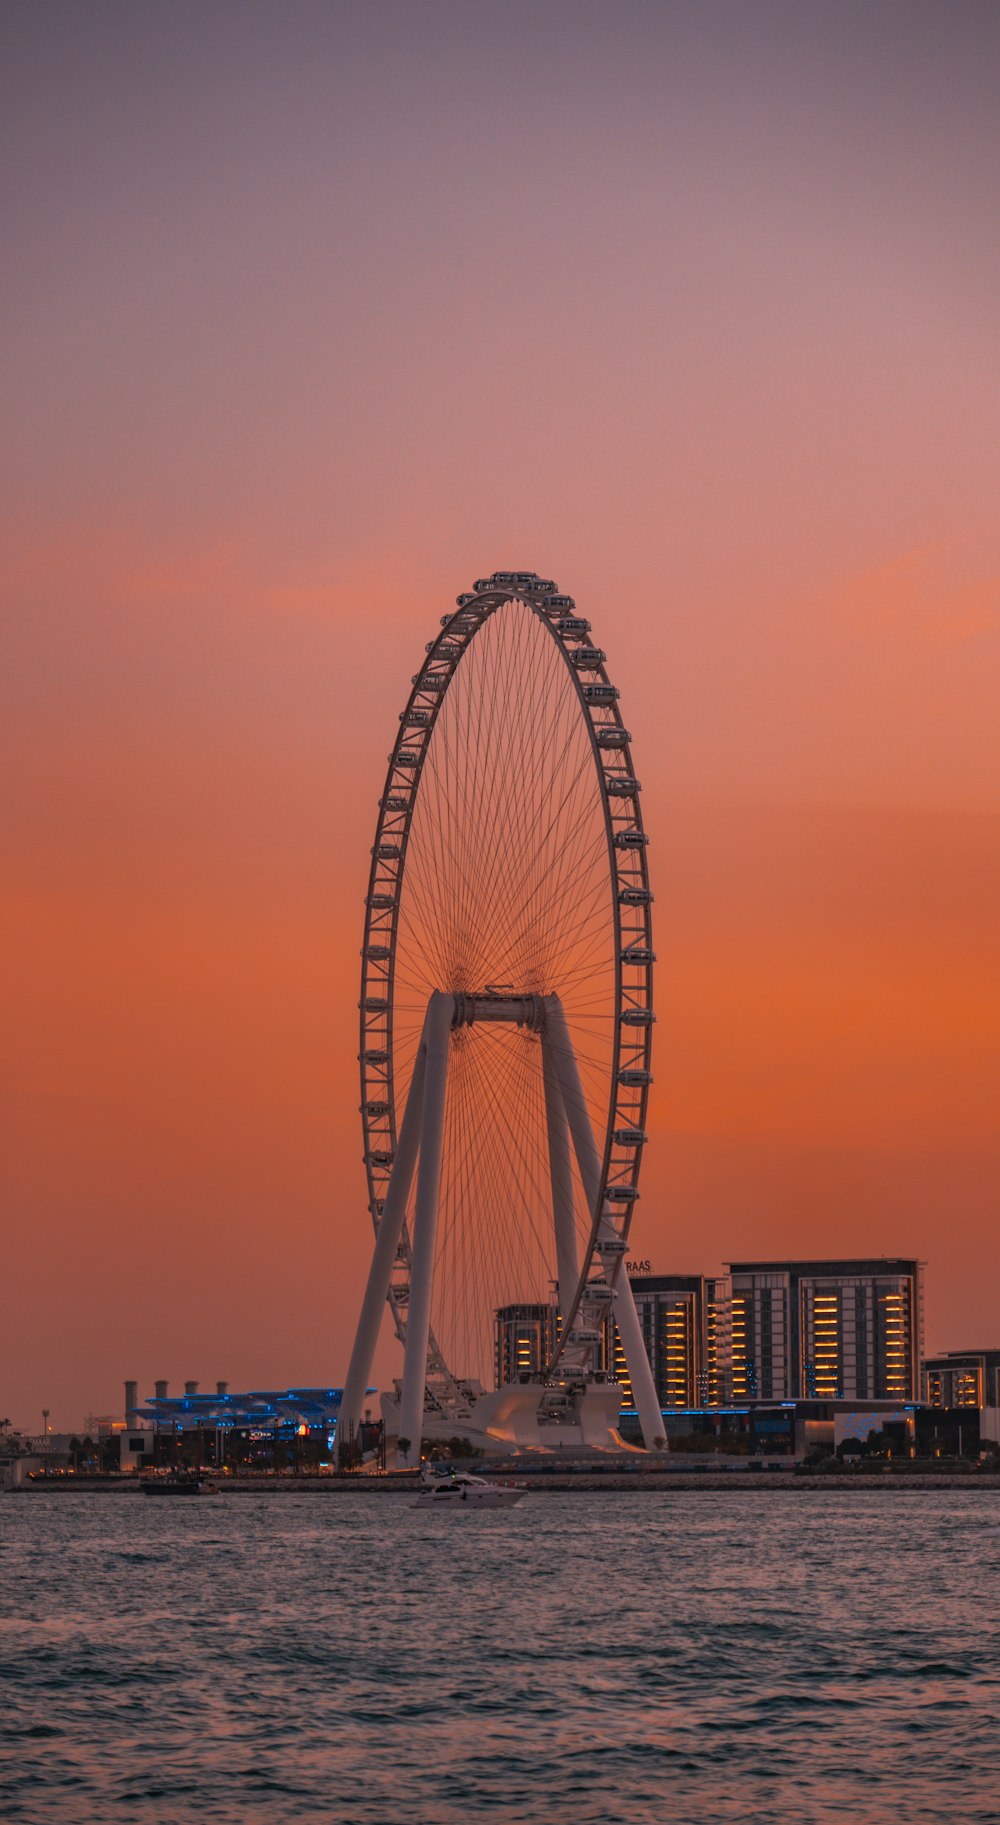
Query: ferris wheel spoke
x,y
500,1123
504,820
555,902
514,1252
535,1168
492,1233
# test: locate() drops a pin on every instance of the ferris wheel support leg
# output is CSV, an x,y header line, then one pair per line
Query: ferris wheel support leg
x,y
640,1374
567,1263
589,1162
560,1049
386,1243
437,1030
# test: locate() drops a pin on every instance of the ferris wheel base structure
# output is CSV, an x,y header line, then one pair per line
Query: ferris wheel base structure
x,y
579,1405
514,1418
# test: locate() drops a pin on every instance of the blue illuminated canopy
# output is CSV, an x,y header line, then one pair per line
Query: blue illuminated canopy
x,y
312,1407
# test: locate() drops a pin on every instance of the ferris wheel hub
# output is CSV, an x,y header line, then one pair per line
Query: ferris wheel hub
x,y
500,1003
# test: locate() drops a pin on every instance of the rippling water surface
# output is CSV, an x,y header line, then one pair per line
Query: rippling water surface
x,y
757,1656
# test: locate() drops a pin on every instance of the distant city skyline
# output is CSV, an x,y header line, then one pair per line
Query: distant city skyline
x,y
688,1323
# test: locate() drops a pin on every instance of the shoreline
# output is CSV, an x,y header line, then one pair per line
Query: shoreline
x,y
655,1482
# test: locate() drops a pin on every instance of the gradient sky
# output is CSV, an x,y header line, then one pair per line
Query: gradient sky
x,y
312,314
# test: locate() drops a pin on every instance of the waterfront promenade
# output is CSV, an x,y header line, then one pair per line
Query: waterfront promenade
x,y
769,1479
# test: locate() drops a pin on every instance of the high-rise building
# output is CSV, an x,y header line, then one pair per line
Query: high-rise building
x,y
848,1330
715,1373
758,1329
963,1378
826,1330
524,1340
670,1308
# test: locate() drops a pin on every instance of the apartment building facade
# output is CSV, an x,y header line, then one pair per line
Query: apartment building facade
x,y
963,1378
826,1330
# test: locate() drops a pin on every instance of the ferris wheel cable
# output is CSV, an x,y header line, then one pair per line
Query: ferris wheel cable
x,y
471,785
579,835
573,917
515,915
493,1255
502,1131
446,804
491,1234
551,797
561,863
595,1025
431,889
560,868
596,1061
541,1168
482,738
585,1058
578,973
420,908
504,846
505,807
504,822
579,844
511,1088
545,841
504,955
459,857
507,934
571,835
504,1078
584,969
488,1260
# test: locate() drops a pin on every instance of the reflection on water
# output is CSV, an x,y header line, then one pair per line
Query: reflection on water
x,y
790,1656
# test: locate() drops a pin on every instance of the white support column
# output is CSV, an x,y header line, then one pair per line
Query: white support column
x,y
574,1100
567,1262
437,1032
589,1161
643,1386
386,1243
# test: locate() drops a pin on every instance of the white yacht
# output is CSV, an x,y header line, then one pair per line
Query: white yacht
x,y
458,1490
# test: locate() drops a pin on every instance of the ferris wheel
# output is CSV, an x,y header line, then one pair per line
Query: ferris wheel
x,y
506,1028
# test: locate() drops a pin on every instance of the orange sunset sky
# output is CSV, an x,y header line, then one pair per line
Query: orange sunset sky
x,y
315,313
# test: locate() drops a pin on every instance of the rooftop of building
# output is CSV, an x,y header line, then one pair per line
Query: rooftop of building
x,y
662,1283
845,1266
954,1357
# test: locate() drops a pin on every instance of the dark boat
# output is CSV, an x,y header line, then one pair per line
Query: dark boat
x,y
176,1482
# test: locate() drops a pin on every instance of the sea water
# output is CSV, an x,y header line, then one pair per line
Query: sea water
x,y
756,1655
